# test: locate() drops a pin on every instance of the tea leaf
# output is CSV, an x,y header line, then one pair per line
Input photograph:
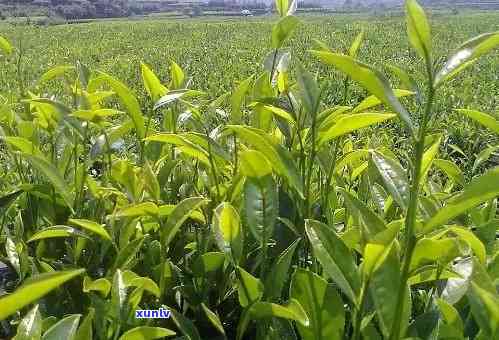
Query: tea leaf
x,y
146,333
418,29
33,289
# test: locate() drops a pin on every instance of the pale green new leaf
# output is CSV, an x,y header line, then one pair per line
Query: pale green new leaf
x,y
480,190
5,46
33,289
63,329
466,55
418,29
30,327
373,101
91,226
249,288
485,119
371,79
228,232
283,29
146,333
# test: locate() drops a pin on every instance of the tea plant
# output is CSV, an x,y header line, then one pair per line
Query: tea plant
x,y
265,212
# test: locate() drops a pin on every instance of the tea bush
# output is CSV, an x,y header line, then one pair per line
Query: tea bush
x,y
284,208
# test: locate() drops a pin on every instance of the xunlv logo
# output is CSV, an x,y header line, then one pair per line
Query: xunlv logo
x,y
152,313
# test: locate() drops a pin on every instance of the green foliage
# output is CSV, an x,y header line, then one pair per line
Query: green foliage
x,y
292,206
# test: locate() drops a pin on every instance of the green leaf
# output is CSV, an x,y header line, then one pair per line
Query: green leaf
x,y
279,158
373,101
276,111
384,286
355,46
261,206
237,99
54,176
429,251
85,331
146,333
292,311
169,98
374,255
13,255
128,99
185,325
249,288
309,90
228,232
63,329
466,55
394,177
418,29
178,216
214,319
451,325
139,210
33,289
118,295
91,226
335,257
100,285
23,145
5,46
6,200
282,30
485,308
484,155
126,255
451,170
428,157
485,119
473,241
371,79
152,84
350,123
30,327
177,76
254,164
57,231
55,72
371,223
278,276
207,263
322,304
480,190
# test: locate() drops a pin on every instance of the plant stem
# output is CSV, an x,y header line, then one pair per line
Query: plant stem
x,y
410,223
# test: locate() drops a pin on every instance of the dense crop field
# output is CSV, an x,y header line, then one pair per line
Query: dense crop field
x,y
280,178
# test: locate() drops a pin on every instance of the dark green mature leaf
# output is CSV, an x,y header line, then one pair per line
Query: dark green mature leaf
x,y
485,119
279,158
309,90
228,232
480,190
418,29
179,215
278,276
322,304
283,29
6,200
126,255
371,79
53,175
30,327
261,206
335,257
394,177
185,325
384,287
146,333
371,223
214,319
128,99
64,329
466,55
33,289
